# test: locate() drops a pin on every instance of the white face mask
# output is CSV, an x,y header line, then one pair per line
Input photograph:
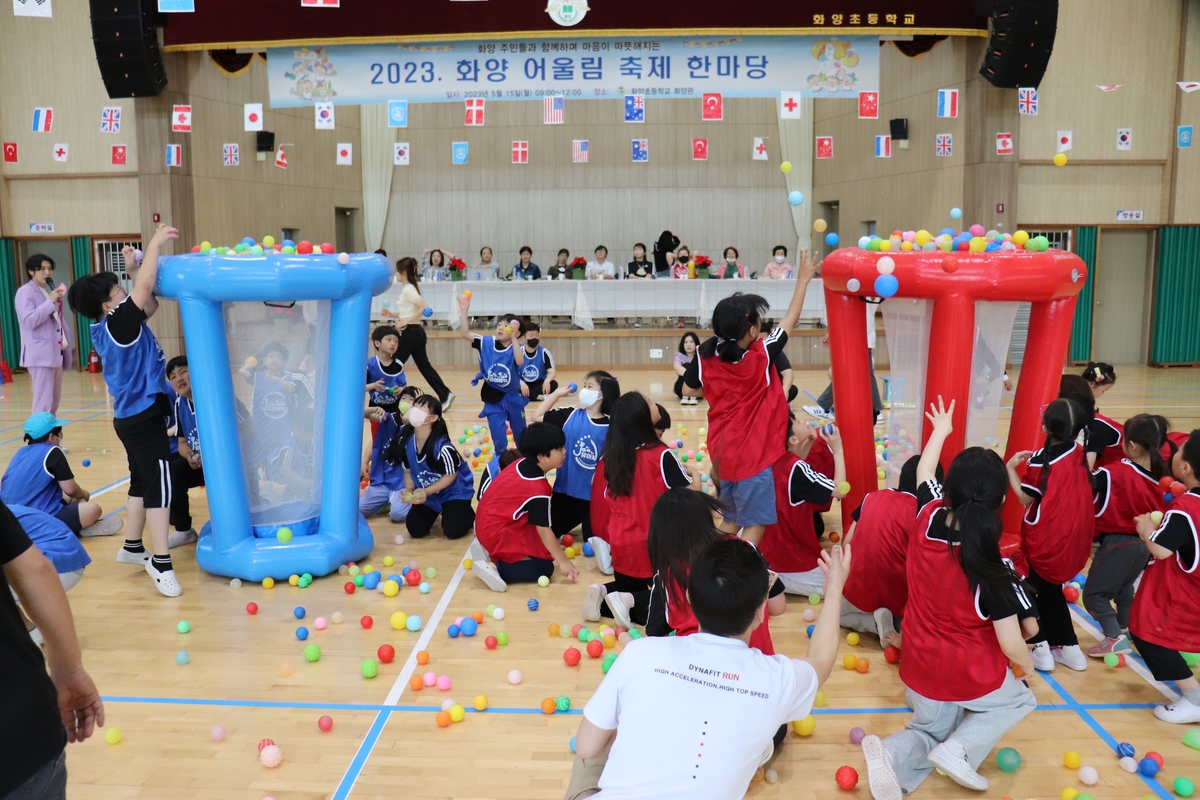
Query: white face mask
x,y
731,260
587,397
417,416
778,259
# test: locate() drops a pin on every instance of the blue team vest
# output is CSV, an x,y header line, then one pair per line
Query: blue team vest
x,y
585,443
534,368
27,483
185,418
423,476
376,373
383,473
172,420
134,372
499,369
272,411
53,538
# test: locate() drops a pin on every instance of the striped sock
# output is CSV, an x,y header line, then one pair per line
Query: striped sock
x,y
134,546
162,563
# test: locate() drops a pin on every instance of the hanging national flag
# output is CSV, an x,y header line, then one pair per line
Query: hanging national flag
x,y
459,152
520,153
10,152
713,108
60,152
397,113
281,158
1183,136
789,105
824,147
641,149
635,108
400,154
174,155
883,146
552,110
947,103
1110,87
345,154
231,155
1124,138
252,114
118,155
1065,140
323,116
320,3
579,150
943,144
699,149
1004,144
1027,101
32,8
868,105
181,119
759,152
110,119
474,111
1188,86
42,119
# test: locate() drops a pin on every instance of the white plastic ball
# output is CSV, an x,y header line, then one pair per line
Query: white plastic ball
x,y
1088,775
1128,764
885,265
498,613
449,701
853,285
399,538
235,583
343,258
514,677
771,776
271,756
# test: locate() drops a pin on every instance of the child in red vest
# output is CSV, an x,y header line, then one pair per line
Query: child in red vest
x,y
1166,610
746,404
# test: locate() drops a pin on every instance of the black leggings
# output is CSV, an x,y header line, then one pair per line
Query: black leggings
x,y
534,391
638,587
679,387
1165,663
183,478
1054,621
412,345
568,513
527,570
458,517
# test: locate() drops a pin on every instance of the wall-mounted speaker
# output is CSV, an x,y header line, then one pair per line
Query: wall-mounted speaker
x,y
1021,42
265,142
125,36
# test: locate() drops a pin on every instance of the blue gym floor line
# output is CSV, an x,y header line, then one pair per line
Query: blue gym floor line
x,y
57,413
185,701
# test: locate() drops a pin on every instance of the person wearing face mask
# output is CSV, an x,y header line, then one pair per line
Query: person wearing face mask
x,y
682,267
586,428
439,482
537,373
731,267
387,479
778,267
501,357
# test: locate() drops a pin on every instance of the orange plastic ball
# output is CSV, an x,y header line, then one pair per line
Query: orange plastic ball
x,y
443,719
415,683
549,706
553,629
835,537
422,657
862,665
478,617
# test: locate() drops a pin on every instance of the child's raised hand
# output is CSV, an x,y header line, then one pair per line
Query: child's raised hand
x,y
835,563
832,436
1019,458
940,417
163,234
129,254
464,301
807,267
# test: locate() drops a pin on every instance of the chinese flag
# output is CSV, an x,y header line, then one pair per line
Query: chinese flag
x,y
118,155
824,147
868,105
713,107
700,149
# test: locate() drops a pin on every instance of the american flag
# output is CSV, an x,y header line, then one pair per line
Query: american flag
x,y
945,144
552,110
579,151
232,156
1027,101
110,119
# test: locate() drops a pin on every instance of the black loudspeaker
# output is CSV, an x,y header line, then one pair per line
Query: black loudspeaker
x,y
125,35
899,129
1021,42
265,142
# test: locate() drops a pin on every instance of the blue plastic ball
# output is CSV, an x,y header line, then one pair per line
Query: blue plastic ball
x,y
572,388
956,213
533,604
182,657
469,626
371,580
299,612
831,239
946,232
396,578
886,285
795,198
810,630
414,623
404,572
1148,767
302,633
588,550
1125,749
87,462
288,243
478,452
248,241
1168,497
572,744
453,631
427,312
424,587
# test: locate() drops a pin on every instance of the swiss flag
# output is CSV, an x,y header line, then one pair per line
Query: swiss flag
x,y
824,147
868,105
475,111
118,155
181,119
713,108
700,149
10,153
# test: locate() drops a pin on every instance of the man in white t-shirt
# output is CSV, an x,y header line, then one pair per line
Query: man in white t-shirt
x,y
601,268
694,716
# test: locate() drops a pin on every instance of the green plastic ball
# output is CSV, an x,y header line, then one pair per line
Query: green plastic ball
x,y
814,599
257,250
501,638
284,535
1184,787
564,704
583,635
184,626
564,631
430,573
358,580
312,652
1192,659
487,612
609,660
370,668
305,580
1111,660
1008,760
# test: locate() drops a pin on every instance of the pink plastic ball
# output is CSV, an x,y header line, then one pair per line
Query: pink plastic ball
x,y
414,564
910,236
271,756
319,623
430,678
447,704
443,683
1088,776
809,615
217,733
976,230
458,621
325,723
856,735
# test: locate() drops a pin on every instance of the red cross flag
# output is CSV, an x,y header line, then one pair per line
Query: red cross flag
x,y
181,119
713,108
789,105
60,152
868,105
760,149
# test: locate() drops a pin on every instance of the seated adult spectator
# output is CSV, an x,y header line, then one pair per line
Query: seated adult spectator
x,y
639,268
560,271
731,268
525,269
601,268
778,267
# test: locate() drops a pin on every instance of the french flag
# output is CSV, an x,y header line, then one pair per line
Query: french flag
x,y
883,146
947,103
42,119
174,155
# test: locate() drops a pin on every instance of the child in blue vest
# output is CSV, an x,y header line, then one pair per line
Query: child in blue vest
x,y
56,541
39,477
279,395
436,479
537,373
387,479
385,372
501,357
134,371
187,468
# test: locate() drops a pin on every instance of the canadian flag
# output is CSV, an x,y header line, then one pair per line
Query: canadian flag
x,y
253,116
345,153
700,149
475,111
1065,140
181,119
1004,144
281,158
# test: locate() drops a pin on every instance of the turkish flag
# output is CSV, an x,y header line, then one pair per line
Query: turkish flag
x,y
868,105
118,155
10,152
700,149
824,147
713,108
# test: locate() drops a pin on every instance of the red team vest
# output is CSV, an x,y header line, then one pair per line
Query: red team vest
x,y
1131,493
1114,452
790,544
1058,528
880,544
684,623
1166,608
747,413
629,520
501,524
820,458
951,652
1175,440
601,506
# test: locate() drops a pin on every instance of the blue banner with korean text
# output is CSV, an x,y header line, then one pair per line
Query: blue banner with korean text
x,y
439,72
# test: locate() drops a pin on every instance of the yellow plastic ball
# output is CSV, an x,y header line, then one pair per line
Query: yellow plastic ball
x,y
268,240
843,487
609,640
785,167
852,638
367,569
850,661
112,735
922,238
480,703
294,580
268,583
205,244
388,561
457,713
1060,160
1020,237
467,563
906,246
1072,760
884,245
391,588
977,244
569,552
819,225
1069,793
399,618
805,727
821,700
251,361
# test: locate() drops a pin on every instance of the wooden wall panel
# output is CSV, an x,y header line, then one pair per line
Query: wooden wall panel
x,y
1084,195
1187,179
77,206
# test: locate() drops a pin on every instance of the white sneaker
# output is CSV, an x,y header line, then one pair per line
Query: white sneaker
x,y
951,758
126,557
483,570
818,412
1179,712
1042,660
177,538
477,552
164,581
885,623
619,610
104,527
880,776
603,555
449,402
1070,656
591,602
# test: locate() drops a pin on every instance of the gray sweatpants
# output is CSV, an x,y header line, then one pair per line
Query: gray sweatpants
x,y
825,401
1116,564
936,721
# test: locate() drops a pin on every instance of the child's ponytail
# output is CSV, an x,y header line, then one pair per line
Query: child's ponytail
x,y
1145,431
1063,419
733,318
975,488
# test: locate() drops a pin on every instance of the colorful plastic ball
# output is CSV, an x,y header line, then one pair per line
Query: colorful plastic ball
x,y
852,638
956,213
498,614
182,657
302,633
857,735
453,631
1088,775
862,665
886,285
569,552
112,735
268,583
571,656
413,577
532,605
325,723
1126,749
416,683
469,626
294,580
271,756
1148,767
337,617
491,642
846,777
312,653
588,551
785,167
444,683
809,630
1128,764
1070,594
1156,758
595,648
1183,787
414,623
367,621
514,676
87,462
285,669
892,654
549,706
608,662
349,587
1008,759
563,703
1072,760
1111,660
819,225
1060,159
443,719
217,733
370,668
805,727
831,239
284,535
386,653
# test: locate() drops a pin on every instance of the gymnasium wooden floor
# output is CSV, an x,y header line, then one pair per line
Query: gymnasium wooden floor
x,y
385,743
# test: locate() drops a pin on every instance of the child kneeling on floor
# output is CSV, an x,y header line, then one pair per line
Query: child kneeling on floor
x,y
512,524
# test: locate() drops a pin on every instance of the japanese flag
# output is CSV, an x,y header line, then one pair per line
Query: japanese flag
x,y
253,116
1065,140
400,154
789,105
345,153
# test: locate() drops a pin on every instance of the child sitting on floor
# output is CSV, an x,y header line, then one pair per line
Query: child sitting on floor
x,y
387,479
187,468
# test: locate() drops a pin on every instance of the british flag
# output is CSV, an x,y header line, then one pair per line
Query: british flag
x,y
232,156
1027,101
110,119
944,144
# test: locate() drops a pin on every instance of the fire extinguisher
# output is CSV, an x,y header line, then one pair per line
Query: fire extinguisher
x,y
93,362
